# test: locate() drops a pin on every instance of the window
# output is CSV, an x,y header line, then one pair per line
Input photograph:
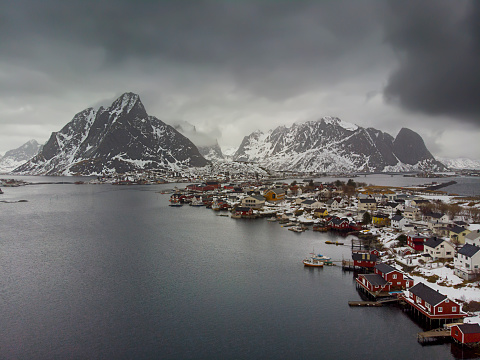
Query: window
x,y
454,309
440,309
394,276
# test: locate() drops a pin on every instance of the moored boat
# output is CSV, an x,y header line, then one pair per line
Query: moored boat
x,y
312,262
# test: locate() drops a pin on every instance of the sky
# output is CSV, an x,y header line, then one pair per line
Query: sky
x,y
232,67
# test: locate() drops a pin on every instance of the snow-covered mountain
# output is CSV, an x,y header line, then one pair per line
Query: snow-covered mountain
x,y
332,145
119,139
460,164
16,157
212,152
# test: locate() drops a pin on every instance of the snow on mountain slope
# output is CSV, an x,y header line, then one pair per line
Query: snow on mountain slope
x,y
16,157
118,139
461,163
331,145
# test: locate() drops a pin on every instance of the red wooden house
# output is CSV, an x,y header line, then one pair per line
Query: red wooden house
x,y
213,183
397,279
432,303
416,241
243,211
200,187
373,283
364,260
385,280
339,224
466,333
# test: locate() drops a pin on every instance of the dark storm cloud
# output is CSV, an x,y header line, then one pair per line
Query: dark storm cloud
x,y
273,48
438,43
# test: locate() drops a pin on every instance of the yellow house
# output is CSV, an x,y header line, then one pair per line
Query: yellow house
x,y
277,194
320,212
380,220
457,234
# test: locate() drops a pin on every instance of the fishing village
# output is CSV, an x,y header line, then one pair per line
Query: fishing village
x,y
415,248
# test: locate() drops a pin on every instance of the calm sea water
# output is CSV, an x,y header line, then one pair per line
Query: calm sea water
x,y
109,272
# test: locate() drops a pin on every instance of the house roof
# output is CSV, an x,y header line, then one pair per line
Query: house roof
x,y
258,197
392,204
434,215
433,242
277,191
242,208
457,229
308,202
421,201
469,250
384,268
380,216
368,201
364,257
397,218
375,279
473,235
426,293
469,328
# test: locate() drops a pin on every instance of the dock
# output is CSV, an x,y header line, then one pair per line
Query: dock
x,y
365,303
373,303
434,336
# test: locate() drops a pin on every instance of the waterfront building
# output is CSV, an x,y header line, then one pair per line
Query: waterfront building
x,y
467,262
432,305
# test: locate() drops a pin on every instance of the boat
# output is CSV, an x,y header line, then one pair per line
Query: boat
x,y
325,259
333,242
175,202
312,262
197,202
297,229
319,227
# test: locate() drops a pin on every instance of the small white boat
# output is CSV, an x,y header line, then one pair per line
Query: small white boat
x,y
312,262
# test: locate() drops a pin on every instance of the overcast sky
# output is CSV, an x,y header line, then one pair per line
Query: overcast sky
x,y
232,67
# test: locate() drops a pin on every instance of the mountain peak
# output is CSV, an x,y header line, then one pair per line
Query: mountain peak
x,y
126,103
336,121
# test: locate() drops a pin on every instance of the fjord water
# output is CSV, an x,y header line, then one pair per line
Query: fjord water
x,y
111,272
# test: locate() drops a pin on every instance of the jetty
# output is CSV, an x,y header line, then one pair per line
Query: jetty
x,y
439,335
365,303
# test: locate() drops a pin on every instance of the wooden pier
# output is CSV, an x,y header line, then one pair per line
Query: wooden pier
x,y
434,336
365,303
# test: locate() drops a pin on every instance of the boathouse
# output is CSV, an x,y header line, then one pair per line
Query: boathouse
x,y
373,284
465,333
397,279
243,211
432,305
364,260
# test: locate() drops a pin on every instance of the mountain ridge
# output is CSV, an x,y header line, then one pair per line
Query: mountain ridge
x,y
332,145
117,139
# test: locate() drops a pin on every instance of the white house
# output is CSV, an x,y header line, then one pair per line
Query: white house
x,y
254,201
467,262
312,204
412,213
473,238
438,248
398,222
367,205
